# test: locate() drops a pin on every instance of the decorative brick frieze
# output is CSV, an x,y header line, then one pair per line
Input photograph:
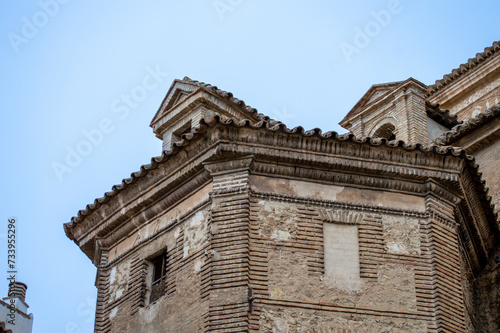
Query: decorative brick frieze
x,y
340,216
344,206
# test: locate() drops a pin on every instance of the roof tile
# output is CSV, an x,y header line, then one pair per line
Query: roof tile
x,y
464,68
279,127
460,130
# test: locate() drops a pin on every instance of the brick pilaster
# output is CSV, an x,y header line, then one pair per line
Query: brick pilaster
x,y
227,280
447,294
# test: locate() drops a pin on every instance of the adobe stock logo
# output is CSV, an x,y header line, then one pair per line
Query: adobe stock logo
x,y
224,6
373,28
282,115
31,26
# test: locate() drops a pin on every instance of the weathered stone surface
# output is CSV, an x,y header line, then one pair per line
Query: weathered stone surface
x,y
118,280
394,289
195,233
402,235
290,321
339,193
279,220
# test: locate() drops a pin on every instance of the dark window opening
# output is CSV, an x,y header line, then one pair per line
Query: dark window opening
x,y
385,131
158,285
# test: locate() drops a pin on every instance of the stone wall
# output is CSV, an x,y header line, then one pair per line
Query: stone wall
x,y
383,282
256,252
125,283
324,321
270,254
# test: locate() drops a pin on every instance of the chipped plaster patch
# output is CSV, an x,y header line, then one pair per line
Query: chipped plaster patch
x,y
113,313
150,313
402,235
171,240
280,235
195,233
198,218
186,251
197,265
112,275
276,293
280,326
118,280
279,220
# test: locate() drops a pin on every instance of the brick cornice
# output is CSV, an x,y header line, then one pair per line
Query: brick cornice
x,y
220,167
326,157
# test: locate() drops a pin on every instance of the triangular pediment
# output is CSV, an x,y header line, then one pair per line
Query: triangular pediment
x,y
186,103
179,91
179,97
376,92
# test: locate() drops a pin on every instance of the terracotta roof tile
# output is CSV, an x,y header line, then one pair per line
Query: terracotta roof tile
x,y
459,131
443,117
229,96
205,124
464,68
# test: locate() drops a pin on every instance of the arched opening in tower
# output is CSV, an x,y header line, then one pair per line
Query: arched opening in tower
x,y
385,131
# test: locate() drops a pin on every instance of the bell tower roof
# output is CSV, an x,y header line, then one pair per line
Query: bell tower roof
x,y
186,103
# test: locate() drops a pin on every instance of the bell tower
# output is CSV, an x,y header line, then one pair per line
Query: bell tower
x,y
188,101
398,111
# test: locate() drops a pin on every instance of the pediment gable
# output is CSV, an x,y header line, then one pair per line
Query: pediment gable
x,y
376,93
186,103
373,94
178,91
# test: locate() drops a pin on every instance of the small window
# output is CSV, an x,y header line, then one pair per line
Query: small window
x,y
158,284
385,131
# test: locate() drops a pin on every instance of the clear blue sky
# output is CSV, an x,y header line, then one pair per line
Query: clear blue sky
x,y
67,69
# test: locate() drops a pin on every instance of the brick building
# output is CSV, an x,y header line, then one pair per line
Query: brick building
x,y
244,225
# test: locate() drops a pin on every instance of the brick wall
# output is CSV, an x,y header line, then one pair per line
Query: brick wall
x,y
125,283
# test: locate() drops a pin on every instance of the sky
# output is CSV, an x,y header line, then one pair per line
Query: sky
x,y
81,81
